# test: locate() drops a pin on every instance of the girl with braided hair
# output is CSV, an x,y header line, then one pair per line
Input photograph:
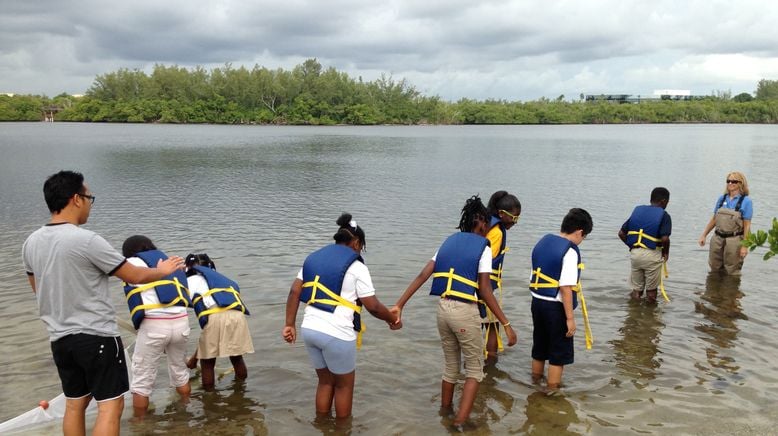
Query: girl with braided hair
x,y
221,314
335,284
460,270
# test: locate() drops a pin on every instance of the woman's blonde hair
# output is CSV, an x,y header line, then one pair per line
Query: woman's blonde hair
x,y
737,175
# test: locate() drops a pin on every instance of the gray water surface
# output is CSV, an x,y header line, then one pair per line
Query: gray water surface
x,y
259,199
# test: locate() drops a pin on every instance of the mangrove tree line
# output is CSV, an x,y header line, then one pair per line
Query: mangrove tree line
x,y
311,94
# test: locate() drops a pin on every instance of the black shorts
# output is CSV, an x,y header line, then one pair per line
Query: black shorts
x,y
91,365
549,334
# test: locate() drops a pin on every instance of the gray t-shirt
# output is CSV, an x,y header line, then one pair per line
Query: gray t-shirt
x,y
71,266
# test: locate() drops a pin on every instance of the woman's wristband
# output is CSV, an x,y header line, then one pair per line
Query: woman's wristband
x,y
507,324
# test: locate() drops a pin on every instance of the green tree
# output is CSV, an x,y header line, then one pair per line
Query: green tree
x,y
761,237
767,90
743,97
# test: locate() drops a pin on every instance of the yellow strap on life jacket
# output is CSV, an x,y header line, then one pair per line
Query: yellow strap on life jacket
x,y
642,235
550,282
492,320
338,301
147,286
451,277
587,328
662,276
217,309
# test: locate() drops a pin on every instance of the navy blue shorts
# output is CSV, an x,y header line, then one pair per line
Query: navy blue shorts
x,y
91,365
549,340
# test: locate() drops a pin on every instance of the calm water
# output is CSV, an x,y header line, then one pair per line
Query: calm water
x,y
259,199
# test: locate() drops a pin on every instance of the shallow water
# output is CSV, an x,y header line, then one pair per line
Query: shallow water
x,y
259,199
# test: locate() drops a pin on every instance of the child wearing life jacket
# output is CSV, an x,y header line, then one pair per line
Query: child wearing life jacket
x,y
504,210
335,284
647,234
158,312
460,269
221,314
554,282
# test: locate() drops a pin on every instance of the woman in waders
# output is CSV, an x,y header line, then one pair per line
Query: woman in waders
x,y
732,222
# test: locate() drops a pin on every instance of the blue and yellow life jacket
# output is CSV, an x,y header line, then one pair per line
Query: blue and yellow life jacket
x,y
456,268
323,273
496,275
171,290
643,227
224,291
547,266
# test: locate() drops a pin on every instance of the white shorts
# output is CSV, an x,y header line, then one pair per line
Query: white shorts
x,y
157,338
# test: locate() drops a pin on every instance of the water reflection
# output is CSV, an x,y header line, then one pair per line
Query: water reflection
x,y
636,351
492,404
720,305
549,415
230,410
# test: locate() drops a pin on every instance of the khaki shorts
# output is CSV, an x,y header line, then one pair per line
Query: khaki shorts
x,y
646,268
157,338
459,325
226,334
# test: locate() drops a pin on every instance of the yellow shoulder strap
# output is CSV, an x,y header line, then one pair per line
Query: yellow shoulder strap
x,y
145,287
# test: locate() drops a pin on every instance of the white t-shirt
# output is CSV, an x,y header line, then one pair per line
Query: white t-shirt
x,y
149,296
340,323
484,264
568,277
197,286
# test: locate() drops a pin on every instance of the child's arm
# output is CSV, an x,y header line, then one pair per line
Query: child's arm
x,y
378,310
420,279
292,303
567,302
486,294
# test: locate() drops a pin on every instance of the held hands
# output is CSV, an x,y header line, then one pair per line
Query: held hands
x,y
171,264
397,324
289,334
570,327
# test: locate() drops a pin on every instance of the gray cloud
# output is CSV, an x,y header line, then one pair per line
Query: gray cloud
x,y
519,49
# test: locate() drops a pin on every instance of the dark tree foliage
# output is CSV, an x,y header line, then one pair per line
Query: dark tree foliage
x,y
312,94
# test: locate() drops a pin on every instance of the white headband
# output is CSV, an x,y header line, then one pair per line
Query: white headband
x,y
353,224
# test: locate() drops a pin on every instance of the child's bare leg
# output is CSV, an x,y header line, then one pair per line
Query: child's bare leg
x,y
446,394
651,296
468,398
491,344
637,294
325,391
207,370
555,376
344,394
241,373
140,404
538,367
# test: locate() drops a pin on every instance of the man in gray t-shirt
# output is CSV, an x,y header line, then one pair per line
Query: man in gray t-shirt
x,y
68,268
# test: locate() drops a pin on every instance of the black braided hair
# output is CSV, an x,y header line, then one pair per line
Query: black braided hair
x,y
201,259
346,233
473,209
502,200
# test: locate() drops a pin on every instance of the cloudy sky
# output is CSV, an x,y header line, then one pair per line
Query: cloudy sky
x,y
513,50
